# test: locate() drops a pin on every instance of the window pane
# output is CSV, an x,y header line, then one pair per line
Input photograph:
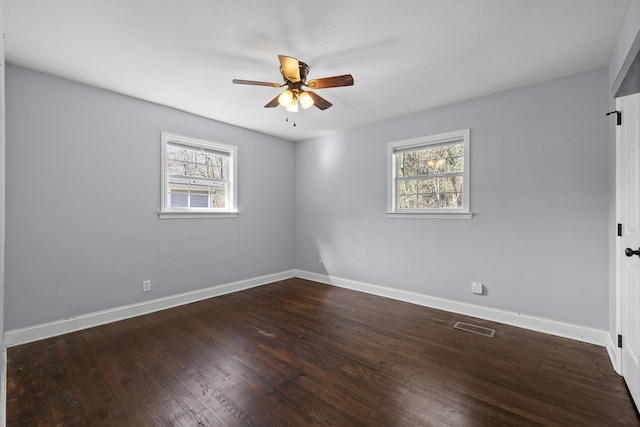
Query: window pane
x,y
407,202
453,201
440,185
427,186
457,183
431,161
440,193
407,164
175,153
444,185
178,199
193,193
407,187
199,200
443,200
217,167
176,167
453,164
197,164
429,201
430,193
217,172
218,198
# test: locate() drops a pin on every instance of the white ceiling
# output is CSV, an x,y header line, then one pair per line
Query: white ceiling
x,y
405,55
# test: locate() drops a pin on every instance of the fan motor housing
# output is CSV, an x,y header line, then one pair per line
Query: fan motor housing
x,y
295,79
304,71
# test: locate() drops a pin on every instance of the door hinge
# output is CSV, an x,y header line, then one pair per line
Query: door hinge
x,y
618,116
619,340
619,230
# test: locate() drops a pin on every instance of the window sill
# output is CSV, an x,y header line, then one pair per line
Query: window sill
x,y
431,215
195,215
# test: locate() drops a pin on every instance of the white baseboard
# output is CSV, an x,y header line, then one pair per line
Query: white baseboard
x,y
46,330
552,327
614,354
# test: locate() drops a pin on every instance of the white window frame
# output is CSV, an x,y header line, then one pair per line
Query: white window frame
x,y
231,205
431,141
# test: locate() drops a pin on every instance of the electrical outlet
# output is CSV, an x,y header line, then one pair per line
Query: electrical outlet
x,y
476,288
146,285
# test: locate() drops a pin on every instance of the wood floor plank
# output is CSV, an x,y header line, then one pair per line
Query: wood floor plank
x,y
300,353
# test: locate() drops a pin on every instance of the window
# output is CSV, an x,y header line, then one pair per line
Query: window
x,y
198,178
429,176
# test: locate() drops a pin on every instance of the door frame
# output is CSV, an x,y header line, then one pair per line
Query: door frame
x,y
617,354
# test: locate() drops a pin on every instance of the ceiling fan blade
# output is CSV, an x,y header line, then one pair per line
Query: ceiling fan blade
x,y
337,81
290,68
273,103
319,101
254,83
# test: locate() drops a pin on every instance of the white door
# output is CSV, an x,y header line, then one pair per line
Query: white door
x,y
629,191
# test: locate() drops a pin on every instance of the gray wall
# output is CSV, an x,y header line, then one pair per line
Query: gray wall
x,y
539,190
83,193
630,28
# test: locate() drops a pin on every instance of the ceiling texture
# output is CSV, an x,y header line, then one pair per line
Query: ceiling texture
x,y
405,55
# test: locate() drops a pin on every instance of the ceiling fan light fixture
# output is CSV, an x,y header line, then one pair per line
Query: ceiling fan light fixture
x,y
286,98
293,106
305,100
295,74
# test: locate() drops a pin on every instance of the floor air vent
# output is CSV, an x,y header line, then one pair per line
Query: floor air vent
x,y
487,332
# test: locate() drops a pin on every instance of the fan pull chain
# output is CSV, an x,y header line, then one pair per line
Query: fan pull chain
x,y
286,119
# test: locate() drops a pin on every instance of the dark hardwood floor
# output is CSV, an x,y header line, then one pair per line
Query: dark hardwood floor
x,y
299,353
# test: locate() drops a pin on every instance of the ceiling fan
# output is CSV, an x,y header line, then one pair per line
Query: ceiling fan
x,y
295,73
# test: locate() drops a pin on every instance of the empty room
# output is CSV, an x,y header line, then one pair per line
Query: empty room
x,y
340,213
